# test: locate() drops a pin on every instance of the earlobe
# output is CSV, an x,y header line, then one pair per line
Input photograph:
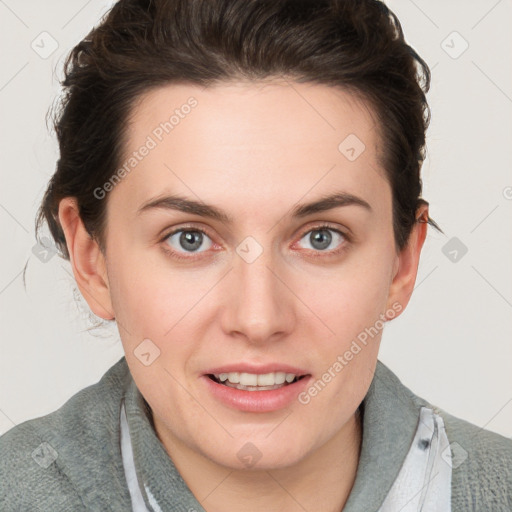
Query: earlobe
x,y
87,260
406,265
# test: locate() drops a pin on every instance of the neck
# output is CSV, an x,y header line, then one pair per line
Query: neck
x,y
320,481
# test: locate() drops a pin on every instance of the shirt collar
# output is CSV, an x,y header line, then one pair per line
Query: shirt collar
x,y
390,418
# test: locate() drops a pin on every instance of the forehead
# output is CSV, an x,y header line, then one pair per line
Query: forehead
x,y
267,140
295,112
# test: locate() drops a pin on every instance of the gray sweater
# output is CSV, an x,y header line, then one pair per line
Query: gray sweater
x,y
70,460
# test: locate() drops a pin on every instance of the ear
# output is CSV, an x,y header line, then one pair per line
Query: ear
x,y
407,260
87,260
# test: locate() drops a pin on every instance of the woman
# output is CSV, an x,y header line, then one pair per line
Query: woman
x,y
283,142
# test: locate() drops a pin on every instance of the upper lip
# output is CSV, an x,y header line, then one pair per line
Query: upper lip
x,y
259,369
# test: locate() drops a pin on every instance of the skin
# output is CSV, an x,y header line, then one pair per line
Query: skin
x,y
254,150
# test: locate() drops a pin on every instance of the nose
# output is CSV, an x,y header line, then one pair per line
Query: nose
x,y
260,307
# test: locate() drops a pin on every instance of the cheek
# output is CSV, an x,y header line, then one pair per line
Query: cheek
x,y
147,293
354,297
151,313
154,301
351,306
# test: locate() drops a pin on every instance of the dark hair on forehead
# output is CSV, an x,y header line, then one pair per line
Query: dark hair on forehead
x,y
356,45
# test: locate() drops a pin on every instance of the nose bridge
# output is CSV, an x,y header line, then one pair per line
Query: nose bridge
x,y
254,267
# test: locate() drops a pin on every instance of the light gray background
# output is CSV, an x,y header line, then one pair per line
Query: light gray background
x,y
453,345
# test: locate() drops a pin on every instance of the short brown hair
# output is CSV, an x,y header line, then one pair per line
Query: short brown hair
x,y
357,45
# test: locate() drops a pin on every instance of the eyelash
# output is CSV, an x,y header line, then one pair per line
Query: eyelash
x,y
322,227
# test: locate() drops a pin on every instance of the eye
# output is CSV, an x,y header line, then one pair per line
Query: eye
x,y
321,237
187,240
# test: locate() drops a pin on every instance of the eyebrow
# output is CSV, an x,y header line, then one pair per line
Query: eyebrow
x,y
185,205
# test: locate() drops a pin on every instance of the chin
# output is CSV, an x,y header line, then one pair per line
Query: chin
x,y
253,454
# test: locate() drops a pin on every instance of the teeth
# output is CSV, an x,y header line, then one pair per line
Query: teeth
x,y
280,377
234,377
267,379
252,379
248,379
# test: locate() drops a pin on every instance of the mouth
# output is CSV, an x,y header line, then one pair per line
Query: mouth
x,y
267,388
255,382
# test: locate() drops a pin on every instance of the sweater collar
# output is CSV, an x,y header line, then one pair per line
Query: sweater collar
x,y
390,419
391,413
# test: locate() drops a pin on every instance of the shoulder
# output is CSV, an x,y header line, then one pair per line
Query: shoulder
x,y
481,460
51,462
481,463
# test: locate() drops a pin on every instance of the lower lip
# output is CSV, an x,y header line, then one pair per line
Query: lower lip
x,y
256,401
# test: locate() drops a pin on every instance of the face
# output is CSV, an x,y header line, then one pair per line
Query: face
x,y
217,268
